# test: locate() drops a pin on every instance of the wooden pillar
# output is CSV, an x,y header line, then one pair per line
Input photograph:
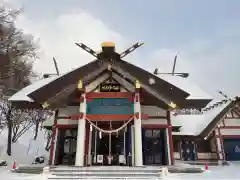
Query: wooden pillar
x,y
170,140
81,135
219,144
138,128
53,142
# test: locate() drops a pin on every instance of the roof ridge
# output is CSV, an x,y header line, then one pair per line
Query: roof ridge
x,y
215,105
203,110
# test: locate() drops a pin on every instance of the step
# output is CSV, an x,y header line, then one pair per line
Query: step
x,y
105,171
108,178
104,168
105,174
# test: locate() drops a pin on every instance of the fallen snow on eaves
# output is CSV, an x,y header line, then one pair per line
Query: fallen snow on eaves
x,y
186,85
195,124
22,95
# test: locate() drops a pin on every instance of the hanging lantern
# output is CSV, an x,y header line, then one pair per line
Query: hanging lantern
x,y
137,84
80,84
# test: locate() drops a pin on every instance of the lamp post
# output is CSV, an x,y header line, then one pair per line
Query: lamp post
x,y
53,74
49,75
184,75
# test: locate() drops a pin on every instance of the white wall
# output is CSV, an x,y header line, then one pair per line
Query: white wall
x,y
154,121
66,112
230,131
231,122
153,111
206,156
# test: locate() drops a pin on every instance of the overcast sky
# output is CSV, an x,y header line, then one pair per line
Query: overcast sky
x,y
205,34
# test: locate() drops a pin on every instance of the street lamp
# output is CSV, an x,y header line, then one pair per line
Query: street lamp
x,y
56,68
49,75
184,75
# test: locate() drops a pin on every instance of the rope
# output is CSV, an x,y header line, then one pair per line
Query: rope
x,y
110,131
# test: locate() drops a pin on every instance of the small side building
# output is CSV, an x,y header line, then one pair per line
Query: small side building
x,y
210,135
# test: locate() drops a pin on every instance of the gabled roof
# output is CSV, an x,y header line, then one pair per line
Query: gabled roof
x,y
92,69
50,89
166,87
202,124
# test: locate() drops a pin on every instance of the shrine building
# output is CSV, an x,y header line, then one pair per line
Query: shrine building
x,y
111,112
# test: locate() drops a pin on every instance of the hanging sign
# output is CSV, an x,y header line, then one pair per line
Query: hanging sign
x,y
109,87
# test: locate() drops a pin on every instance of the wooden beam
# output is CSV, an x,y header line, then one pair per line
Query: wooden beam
x,y
123,82
144,86
91,95
93,85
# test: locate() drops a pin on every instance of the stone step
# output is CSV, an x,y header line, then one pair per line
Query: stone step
x,y
107,174
104,168
130,173
107,178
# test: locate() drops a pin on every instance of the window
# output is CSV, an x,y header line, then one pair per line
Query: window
x,y
176,145
153,133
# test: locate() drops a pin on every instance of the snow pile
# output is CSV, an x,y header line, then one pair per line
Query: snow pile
x,y
25,149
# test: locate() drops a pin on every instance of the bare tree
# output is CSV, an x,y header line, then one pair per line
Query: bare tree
x,y
49,140
3,114
6,111
20,124
24,120
17,52
8,15
20,120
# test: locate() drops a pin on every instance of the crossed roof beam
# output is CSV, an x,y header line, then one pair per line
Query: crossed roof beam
x,y
109,45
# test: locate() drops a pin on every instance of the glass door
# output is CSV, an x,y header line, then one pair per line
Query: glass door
x,y
153,147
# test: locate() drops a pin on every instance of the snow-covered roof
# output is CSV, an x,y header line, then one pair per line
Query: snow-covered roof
x,y
186,85
195,124
22,95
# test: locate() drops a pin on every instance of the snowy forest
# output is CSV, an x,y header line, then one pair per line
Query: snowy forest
x,y
18,52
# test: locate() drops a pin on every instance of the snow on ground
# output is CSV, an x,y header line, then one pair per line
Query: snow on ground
x,y
8,175
25,149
